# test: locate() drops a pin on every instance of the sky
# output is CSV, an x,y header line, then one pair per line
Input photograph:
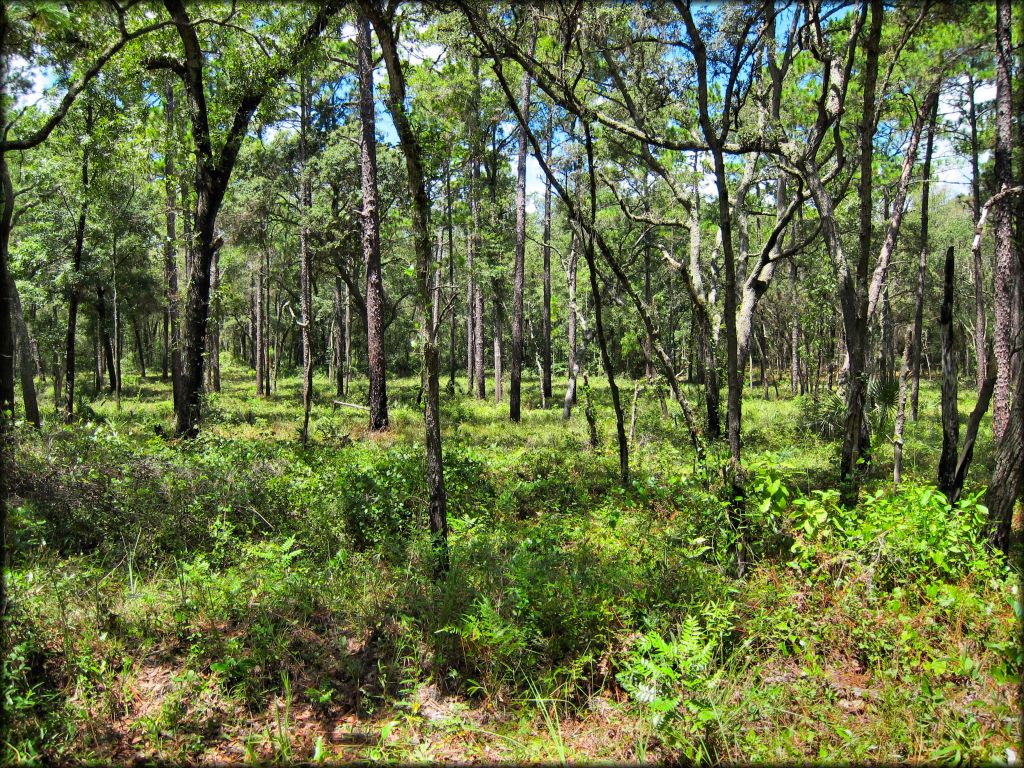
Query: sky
x,y
951,171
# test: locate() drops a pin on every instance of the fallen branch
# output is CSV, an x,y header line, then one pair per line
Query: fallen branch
x,y
342,403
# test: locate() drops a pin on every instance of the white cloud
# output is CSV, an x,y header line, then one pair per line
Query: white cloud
x,y
41,78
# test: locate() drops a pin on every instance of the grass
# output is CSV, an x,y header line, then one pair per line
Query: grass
x,y
243,599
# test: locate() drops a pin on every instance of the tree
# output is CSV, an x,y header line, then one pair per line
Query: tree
x,y
519,278
371,235
383,22
212,173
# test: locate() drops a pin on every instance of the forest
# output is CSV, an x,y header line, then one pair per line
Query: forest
x,y
474,381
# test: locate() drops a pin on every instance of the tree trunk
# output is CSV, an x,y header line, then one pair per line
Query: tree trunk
x,y
375,306
438,499
171,319
498,320
573,365
452,325
478,340
348,339
1002,223
475,247
470,317
1005,487
212,175
545,341
795,386
104,332
854,286
950,415
588,253
118,345
26,366
901,412
305,258
260,328
980,318
74,295
922,266
339,339
519,271
215,332
140,349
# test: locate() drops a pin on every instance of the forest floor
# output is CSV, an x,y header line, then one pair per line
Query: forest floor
x,y
242,598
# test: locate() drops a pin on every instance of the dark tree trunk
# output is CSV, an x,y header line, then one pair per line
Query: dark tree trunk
x,y
950,415
963,464
140,347
519,271
260,328
26,365
74,296
212,175
854,287
6,337
104,332
588,253
339,338
375,306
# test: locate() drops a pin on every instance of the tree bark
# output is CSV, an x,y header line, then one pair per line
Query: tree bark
x,y
140,348
305,258
1005,486
339,338
854,284
950,414
74,296
26,365
1002,223
519,271
478,341
261,329
104,331
215,334
376,356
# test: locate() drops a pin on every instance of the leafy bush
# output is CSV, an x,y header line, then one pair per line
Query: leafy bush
x,y
909,538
